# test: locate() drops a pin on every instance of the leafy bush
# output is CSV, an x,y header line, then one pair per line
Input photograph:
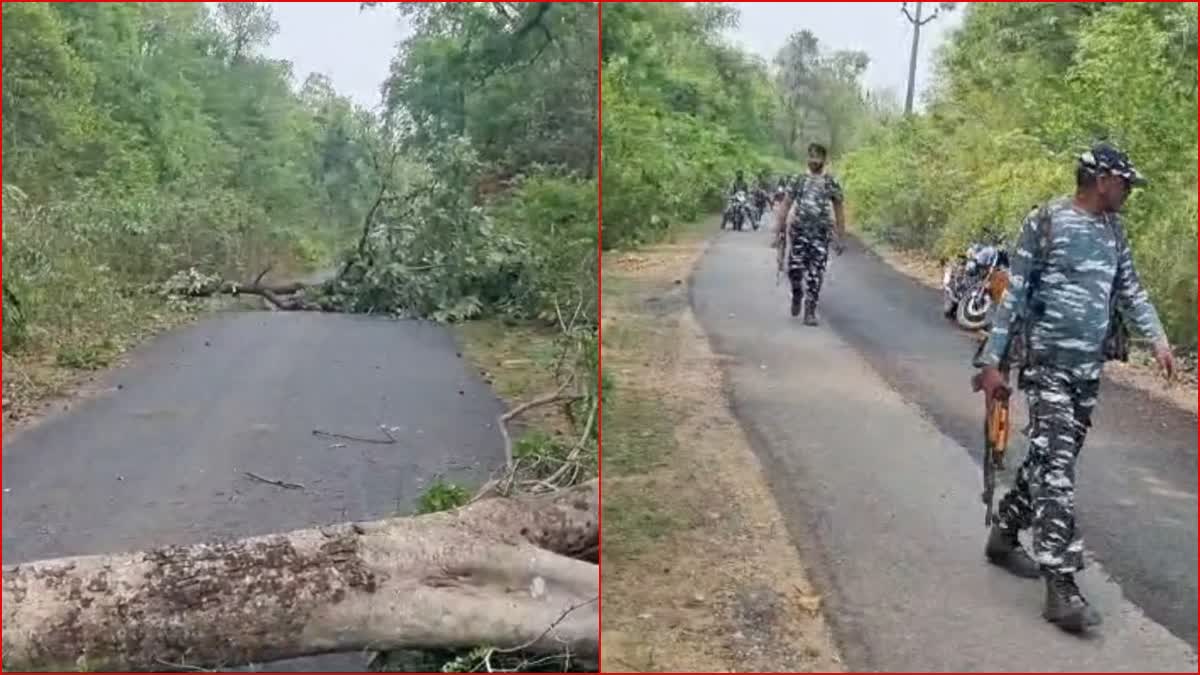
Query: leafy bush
x,y
1008,118
442,496
663,167
142,146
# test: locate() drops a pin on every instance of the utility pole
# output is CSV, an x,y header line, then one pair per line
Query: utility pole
x,y
916,22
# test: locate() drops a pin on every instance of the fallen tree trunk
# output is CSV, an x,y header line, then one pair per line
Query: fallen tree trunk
x,y
499,572
282,296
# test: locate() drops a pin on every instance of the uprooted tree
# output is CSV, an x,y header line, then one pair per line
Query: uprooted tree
x,y
516,574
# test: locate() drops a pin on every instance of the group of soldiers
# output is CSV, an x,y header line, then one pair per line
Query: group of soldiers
x,y
810,222
1072,277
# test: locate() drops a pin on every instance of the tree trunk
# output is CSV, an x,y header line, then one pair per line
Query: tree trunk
x,y
499,572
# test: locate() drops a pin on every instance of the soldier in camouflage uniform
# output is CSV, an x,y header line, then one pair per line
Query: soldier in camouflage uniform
x,y
813,213
739,185
1059,298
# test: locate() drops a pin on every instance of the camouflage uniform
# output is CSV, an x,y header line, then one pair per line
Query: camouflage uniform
x,y
1068,312
810,224
738,185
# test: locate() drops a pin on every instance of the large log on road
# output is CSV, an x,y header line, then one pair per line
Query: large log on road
x,y
499,572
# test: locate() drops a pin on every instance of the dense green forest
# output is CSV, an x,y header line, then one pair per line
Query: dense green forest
x,y
151,149
1021,89
684,108
142,139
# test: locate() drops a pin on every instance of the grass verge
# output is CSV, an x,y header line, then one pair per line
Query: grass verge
x,y
696,575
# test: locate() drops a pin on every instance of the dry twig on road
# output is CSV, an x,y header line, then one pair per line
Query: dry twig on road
x,y
391,440
271,481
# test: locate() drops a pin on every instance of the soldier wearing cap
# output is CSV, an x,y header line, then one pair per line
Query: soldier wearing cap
x,y
814,215
1071,262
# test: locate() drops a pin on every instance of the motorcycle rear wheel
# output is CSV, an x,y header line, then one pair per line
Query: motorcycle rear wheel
x,y
974,311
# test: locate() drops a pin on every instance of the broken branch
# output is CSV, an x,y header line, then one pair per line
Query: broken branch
x,y
504,419
271,481
391,440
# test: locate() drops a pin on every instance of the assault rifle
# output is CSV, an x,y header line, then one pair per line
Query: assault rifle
x,y
995,438
783,245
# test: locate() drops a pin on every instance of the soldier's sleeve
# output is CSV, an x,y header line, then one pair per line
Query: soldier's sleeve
x,y
1132,299
835,190
1016,297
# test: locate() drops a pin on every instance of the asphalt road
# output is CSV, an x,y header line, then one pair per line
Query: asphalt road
x,y
870,436
159,457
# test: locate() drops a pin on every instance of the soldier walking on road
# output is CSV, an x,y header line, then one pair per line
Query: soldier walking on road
x,y
816,222
1071,281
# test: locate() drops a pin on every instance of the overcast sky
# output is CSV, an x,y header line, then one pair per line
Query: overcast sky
x,y
878,28
355,48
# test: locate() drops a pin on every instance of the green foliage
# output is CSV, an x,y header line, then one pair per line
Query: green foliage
x,y
442,496
518,78
149,138
1021,90
557,217
683,110
485,204
153,138
434,251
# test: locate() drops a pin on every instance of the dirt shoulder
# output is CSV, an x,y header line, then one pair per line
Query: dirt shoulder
x,y
699,572
1139,373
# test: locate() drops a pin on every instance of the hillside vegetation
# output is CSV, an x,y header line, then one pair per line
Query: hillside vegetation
x,y
1021,89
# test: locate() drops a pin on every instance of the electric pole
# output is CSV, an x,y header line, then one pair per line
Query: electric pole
x,y
916,22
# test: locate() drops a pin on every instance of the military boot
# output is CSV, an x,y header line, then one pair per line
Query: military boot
x,y
797,301
1005,550
1065,605
810,314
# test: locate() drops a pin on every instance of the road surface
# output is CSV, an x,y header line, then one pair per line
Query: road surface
x,y
159,458
870,436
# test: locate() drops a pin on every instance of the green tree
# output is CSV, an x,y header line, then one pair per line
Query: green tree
x,y
1021,89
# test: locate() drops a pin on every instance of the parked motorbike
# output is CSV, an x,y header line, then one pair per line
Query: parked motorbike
x,y
973,285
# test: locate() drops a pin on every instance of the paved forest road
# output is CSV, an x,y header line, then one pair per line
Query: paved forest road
x,y
870,434
161,460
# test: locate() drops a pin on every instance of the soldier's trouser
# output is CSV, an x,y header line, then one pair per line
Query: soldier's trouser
x,y
1043,497
806,265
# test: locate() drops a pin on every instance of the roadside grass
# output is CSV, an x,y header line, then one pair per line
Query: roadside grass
x,y
55,361
641,295
690,528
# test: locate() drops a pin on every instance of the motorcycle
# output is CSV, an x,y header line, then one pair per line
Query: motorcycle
x,y
740,211
974,284
761,202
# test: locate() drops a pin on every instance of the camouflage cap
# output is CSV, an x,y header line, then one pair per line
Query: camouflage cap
x,y
1104,158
